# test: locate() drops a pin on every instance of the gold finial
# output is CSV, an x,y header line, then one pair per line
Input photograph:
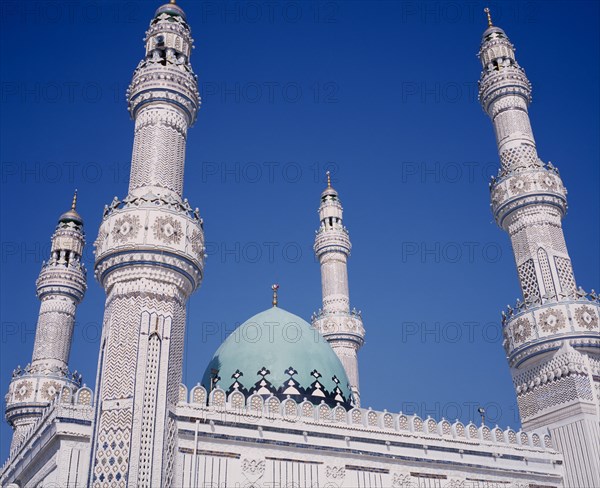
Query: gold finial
x,y
489,16
275,287
172,1
74,204
328,179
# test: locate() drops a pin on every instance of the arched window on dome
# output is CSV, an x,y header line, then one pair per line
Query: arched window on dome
x,y
237,400
324,413
459,429
308,410
356,416
198,395
182,394
290,410
339,414
255,402
372,418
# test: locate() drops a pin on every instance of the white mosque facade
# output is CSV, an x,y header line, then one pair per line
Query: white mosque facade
x,y
276,412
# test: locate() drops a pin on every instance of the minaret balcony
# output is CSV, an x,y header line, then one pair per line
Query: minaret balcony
x,y
156,83
151,231
534,329
508,80
527,187
332,240
62,279
33,388
340,326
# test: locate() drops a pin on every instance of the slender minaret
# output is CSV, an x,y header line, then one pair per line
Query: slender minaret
x,y
149,260
342,328
60,287
552,336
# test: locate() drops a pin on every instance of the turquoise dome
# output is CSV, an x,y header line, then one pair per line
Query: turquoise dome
x,y
279,353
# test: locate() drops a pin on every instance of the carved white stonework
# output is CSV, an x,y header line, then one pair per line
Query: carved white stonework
x,y
149,259
253,469
60,287
144,428
340,326
552,337
335,472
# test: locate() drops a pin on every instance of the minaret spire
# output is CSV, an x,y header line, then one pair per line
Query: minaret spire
x,y
149,260
340,326
275,288
557,323
489,16
60,287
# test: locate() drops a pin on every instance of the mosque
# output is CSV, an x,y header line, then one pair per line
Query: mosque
x,y
278,412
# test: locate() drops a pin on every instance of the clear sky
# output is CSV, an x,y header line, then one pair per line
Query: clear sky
x,y
383,94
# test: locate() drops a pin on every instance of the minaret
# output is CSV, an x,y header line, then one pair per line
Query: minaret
x,y
149,260
552,336
342,328
60,287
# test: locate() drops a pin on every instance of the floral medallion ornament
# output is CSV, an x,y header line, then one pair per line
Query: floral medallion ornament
x,y
196,242
552,320
168,230
521,330
50,390
253,469
126,228
519,185
401,480
335,472
456,483
586,318
546,181
23,390
102,235
498,195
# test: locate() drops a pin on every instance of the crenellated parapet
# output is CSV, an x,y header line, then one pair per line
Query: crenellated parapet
x,y
68,415
351,420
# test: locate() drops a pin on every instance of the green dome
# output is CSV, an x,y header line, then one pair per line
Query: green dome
x,y
279,353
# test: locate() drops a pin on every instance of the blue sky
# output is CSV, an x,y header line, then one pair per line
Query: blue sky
x,y
381,93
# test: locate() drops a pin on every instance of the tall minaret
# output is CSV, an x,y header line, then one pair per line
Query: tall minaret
x,y
552,337
149,259
342,328
60,287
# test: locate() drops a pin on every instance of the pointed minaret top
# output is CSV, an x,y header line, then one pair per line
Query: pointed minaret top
x,y
275,287
71,215
489,16
329,191
74,204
